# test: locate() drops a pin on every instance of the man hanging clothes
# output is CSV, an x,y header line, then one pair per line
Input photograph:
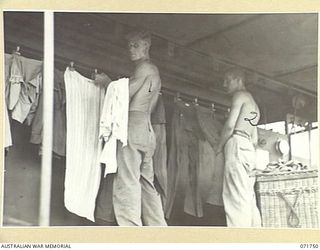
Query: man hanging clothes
x,y
239,135
135,199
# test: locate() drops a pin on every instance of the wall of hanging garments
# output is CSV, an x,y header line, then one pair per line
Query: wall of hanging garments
x,y
24,101
188,174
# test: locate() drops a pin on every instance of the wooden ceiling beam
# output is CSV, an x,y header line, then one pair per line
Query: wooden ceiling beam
x,y
313,66
223,30
265,80
175,73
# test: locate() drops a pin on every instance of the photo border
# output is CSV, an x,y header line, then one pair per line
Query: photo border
x,y
153,234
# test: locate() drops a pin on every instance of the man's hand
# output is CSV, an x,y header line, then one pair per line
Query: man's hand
x,y
102,79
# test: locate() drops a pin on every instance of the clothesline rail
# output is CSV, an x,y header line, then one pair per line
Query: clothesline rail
x,y
215,107
180,96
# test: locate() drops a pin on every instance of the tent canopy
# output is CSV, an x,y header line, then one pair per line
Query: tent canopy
x,y
192,51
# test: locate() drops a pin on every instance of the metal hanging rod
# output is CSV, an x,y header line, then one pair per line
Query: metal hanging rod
x,y
196,100
64,62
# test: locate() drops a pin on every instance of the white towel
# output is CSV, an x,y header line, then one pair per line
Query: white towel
x,y
114,122
84,104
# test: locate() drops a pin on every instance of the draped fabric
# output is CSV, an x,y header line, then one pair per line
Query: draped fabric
x,y
213,164
195,173
183,164
114,122
158,121
23,83
59,117
84,104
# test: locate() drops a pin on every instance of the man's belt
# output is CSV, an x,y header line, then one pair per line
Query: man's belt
x,y
242,133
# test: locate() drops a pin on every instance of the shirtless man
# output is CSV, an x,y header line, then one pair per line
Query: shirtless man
x,y
135,199
238,140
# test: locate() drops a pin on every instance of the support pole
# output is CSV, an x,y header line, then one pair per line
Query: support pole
x,y
310,144
46,168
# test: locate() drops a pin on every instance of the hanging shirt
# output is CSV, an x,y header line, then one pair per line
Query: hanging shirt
x,y
30,68
36,85
28,101
114,122
59,117
84,101
15,80
24,86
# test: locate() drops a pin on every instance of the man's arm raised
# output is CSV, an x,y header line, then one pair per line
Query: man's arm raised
x,y
102,79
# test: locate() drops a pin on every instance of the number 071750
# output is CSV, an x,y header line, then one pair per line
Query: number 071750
x,y
307,245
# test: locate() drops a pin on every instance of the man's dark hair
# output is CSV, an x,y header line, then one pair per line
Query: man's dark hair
x,y
236,73
140,34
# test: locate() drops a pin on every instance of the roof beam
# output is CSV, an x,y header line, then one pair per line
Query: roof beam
x,y
226,29
296,70
261,76
198,73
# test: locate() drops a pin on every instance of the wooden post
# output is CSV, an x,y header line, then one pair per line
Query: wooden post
x,y
46,168
310,145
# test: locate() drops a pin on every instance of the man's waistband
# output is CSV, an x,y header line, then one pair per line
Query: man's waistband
x,y
138,111
242,133
135,116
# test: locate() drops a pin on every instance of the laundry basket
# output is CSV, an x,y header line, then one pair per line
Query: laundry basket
x,y
288,199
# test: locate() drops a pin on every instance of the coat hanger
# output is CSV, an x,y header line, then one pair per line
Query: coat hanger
x,y
196,101
177,97
71,66
94,73
226,114
213,107
17,51
213,110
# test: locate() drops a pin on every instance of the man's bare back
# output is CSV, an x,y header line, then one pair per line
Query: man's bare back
x,y
249,114
144,87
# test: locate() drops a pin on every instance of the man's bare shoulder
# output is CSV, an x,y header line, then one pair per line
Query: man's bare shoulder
x,y
240,96
147,68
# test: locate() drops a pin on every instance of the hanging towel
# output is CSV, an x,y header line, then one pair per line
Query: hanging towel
x,y
84,101
114,122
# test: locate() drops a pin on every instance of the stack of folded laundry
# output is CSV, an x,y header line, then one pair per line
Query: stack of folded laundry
x,y
284,166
